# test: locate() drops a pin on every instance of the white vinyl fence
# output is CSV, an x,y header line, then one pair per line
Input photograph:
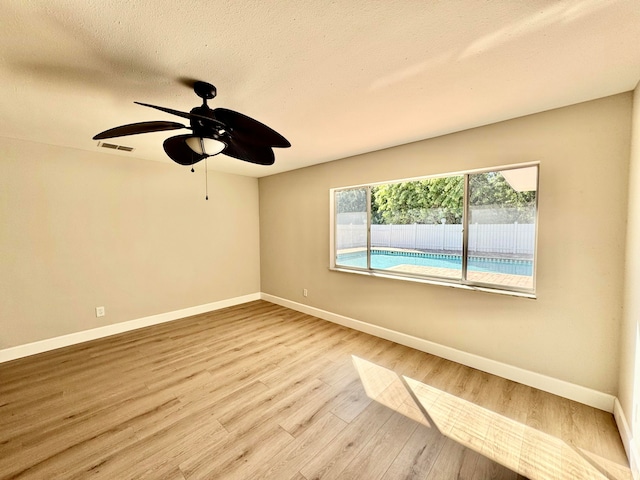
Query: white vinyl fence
x,y
514,238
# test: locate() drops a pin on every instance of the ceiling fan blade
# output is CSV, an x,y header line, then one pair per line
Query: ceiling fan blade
x,y
136,128
167,110
180,152
189,115
259,154
249,130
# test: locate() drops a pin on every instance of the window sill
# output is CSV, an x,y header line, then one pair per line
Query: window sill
x,y
431,281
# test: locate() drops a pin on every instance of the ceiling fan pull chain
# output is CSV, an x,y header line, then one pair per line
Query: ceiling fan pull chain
x,y
206,180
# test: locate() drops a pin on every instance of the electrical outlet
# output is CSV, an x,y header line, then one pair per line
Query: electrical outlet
x,y
100,312
304,292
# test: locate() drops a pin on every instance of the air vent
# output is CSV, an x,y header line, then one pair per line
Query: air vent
x,y
113,146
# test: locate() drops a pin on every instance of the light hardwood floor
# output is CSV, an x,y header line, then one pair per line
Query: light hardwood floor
x,y
261,391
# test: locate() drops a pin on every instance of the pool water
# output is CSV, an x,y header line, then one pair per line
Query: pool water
x,y
383,259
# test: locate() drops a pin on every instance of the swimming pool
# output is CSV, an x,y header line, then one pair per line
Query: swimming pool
x,y
385,259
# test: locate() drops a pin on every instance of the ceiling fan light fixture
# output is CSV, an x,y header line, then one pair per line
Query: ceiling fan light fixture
x,y
205,146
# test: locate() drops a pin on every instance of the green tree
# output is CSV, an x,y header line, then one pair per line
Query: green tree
x,y
420,201
492,200
353,200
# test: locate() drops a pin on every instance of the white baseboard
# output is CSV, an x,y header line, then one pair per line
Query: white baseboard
x,y
572,391
629,443
108,330
587,396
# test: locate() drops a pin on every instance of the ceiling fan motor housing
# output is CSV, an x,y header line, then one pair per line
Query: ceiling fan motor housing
x,y
208,129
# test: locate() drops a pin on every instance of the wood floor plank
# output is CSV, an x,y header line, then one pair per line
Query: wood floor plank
x,y
330,463
238,455
287,462
63,463
298,476
159,451
262,391
416,459
274,405
323,402
454,462
610,447
489,470
39,446
384,446
353,401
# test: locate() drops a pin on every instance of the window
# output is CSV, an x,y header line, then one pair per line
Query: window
x,y
475,229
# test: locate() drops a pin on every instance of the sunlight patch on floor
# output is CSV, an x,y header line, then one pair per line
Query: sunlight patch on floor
x,y
519,447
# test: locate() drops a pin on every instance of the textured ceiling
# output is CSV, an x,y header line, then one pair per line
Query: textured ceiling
x,y
337,78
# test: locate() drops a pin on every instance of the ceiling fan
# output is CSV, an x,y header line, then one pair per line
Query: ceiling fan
x,y
214,131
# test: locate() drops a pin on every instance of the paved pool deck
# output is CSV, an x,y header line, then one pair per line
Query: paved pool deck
x,y
498,279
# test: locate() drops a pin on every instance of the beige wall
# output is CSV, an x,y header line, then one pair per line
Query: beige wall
x,y
570,332
631,313
82,229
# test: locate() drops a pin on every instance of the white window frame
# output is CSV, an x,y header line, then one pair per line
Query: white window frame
x,y
462,283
